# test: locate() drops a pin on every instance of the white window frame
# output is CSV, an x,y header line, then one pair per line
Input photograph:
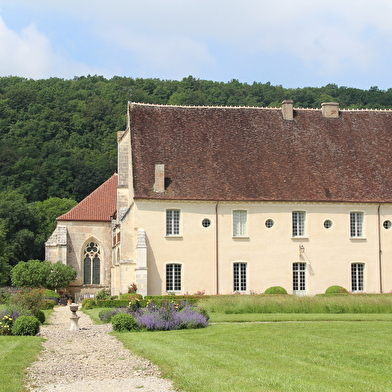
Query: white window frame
x,y
173,277
357,277
240,277
299,278
356,224
240,223
173,219
298,219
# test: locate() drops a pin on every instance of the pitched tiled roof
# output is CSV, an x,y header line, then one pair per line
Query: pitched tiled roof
x,y
98,206
233,154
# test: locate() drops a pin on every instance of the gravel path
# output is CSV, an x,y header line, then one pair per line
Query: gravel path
x,y
89,359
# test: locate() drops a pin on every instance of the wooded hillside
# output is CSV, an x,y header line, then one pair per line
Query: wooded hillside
x,y
58,139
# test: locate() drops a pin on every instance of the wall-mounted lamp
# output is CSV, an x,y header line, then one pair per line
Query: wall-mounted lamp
x,y
301,249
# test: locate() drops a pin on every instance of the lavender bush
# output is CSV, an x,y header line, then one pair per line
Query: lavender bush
x,y
106,315
165,317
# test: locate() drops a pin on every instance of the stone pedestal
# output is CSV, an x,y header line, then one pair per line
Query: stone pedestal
x,y
74,318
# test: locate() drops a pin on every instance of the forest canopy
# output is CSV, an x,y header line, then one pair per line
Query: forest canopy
x,y
58,139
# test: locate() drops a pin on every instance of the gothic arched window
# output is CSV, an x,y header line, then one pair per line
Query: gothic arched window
x,y
92,264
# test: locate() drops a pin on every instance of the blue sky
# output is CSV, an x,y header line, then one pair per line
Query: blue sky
x,y
290,43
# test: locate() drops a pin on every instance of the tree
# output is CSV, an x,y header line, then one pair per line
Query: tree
x,y
60,276
5,268
36,273
32,273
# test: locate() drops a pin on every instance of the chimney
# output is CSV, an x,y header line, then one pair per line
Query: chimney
x,y
159,185
287,109
330,109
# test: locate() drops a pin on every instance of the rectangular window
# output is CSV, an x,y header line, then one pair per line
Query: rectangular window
x,y
96,270
239,277
87,270
298,220
173,277
357,277
299,278
172,222
240,223
356,223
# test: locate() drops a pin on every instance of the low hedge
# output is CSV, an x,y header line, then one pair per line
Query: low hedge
x,y
130,296
111,303
88,303
158,299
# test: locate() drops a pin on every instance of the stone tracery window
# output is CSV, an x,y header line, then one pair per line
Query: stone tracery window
x,y
92,264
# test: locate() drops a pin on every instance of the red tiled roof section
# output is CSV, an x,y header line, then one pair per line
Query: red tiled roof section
x,y
98,206
239,154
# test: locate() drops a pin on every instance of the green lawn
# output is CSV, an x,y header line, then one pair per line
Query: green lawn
x,y
279,356
16,354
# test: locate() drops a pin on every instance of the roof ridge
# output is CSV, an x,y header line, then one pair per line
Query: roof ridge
x,y
245,107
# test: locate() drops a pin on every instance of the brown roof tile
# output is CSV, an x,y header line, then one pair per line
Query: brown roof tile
x,y
98,206
233,154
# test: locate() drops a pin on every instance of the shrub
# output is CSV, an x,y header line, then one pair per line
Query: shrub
x,y
178,299
203,312
106,315
170,316
25,325
48,304
31,299
4,296
103,294
131,296
15,311
6,325
51,294
336,290
190,318
124,322
40,315
111,303
88,303
275,290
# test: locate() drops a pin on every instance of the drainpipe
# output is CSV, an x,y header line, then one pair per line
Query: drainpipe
x,y
379,246
216,248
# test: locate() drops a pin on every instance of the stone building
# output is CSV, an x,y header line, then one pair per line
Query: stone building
x,y
238,199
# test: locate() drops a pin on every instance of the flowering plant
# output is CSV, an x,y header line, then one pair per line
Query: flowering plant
x,y
166,316
6,325
170,316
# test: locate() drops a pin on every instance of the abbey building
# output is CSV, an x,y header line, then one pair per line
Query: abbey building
x,y
238,199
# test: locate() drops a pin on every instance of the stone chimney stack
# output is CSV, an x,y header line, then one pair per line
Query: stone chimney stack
x,y
330,109
287,109
159,185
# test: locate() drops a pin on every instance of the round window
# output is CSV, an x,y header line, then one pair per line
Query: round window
x,y
269,223
387,224
206,223
327,224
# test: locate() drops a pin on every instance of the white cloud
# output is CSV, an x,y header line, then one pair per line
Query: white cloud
x,y
29,54
174,56
175,38
24,54
328,39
